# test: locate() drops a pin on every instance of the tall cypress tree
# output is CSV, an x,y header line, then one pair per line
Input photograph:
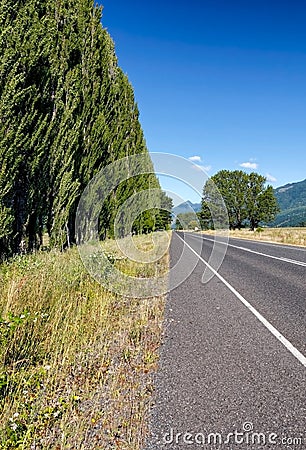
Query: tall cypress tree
x,y
24,119
67,110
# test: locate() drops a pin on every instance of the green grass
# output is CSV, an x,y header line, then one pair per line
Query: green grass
x,y
75,359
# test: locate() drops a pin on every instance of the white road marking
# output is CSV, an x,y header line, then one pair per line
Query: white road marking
x,y
264,321
280,258
272,244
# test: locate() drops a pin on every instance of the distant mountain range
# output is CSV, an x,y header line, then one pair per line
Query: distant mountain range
x,y
291,199
186,207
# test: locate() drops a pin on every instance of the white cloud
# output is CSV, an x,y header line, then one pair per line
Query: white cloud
x,y
195,158
249,165
270,178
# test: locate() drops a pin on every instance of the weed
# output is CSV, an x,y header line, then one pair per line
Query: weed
x,y
74,358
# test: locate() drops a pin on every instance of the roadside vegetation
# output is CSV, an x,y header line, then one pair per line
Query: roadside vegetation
x,y
76,360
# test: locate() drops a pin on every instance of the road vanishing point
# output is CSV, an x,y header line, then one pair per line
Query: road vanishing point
x,y
232,360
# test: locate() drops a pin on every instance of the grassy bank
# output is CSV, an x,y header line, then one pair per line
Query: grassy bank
x,y
75,359
293,236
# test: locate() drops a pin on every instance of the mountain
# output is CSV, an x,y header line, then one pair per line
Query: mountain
x,y
292,201
186,207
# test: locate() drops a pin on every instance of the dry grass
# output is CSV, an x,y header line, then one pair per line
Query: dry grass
x,y
292,236
75,360
146,249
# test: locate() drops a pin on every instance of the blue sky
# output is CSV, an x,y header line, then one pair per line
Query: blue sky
x,y
224,81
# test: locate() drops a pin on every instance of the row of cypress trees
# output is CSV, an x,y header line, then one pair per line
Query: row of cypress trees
x,y
66,110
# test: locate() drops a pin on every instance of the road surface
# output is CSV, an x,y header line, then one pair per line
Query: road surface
x,y
232,361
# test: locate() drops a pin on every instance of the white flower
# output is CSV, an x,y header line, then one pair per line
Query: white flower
x,y
16,414
47,367
14,426
22,316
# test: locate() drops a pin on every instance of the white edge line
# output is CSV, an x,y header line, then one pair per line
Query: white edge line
x,y
272,244
264,321
288,260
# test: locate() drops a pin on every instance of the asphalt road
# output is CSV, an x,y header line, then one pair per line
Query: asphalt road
x,y
232,361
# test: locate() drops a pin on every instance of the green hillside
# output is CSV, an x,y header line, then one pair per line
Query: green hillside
x,y
292,201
